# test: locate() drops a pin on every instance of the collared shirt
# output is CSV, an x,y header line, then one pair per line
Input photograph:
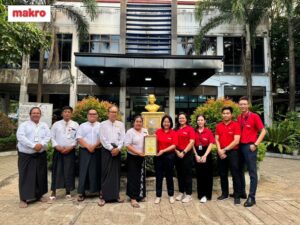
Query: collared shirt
x,y
90,132
184,136
29,134
250,125
226,133
135,139
112,133
166,139
204,138
64,133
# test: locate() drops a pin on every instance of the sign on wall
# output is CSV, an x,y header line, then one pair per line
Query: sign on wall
x,y
29,13
46,108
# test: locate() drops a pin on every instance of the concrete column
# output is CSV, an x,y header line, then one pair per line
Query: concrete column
x,y
174,28
122,94
74,72
123,8
221,93
5,102
220,49
23,97
172,94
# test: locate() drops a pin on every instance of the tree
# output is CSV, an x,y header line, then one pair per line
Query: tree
x,y
18,39
82,27
248,13
287,15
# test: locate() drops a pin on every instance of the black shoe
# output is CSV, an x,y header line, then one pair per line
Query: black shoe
x,y
243,196
237,201
250,202
222,197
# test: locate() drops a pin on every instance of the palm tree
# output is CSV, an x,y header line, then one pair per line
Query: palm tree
x,y
82,27
247,13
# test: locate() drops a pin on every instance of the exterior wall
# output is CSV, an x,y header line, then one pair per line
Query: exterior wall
x,y
109,21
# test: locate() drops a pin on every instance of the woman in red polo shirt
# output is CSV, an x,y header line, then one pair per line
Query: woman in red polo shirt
x,y
184,158
164,160
204,140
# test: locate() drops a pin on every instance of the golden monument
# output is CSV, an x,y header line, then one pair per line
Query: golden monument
x,y
152,121
152,107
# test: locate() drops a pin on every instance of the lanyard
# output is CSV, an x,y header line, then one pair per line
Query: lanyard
x,y
244,120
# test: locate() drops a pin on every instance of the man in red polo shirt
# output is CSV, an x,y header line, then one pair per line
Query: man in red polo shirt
x,y
251,125
227,140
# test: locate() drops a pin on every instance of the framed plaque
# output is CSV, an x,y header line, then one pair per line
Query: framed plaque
x,y
150,145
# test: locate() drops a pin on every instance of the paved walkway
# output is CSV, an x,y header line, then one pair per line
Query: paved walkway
x,y
278,202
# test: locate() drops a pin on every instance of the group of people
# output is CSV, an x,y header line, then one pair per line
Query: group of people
x,y
100,156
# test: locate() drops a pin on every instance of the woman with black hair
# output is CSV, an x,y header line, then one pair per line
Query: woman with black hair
x,y
204,140
136,181
164,160
184,159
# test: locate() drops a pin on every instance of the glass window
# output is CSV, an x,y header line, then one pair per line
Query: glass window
x,y
186,46
101,44
234,48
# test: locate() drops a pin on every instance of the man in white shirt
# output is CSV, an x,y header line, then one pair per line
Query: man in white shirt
x,y
88,136
63,135
112,133
33,137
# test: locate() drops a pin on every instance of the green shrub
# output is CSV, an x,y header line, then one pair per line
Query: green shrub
x,y
82,108
212,111
8,143
7,128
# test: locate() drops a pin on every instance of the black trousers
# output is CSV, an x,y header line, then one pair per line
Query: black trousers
x,y
249,158
230,162
184,173
204,174
164,166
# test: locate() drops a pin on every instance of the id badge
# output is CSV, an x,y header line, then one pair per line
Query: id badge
x,y
36,139
200,147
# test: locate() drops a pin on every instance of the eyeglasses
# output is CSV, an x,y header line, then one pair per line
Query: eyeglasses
x,y
113,111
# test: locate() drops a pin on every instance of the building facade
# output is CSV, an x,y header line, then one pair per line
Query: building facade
x,y
141,47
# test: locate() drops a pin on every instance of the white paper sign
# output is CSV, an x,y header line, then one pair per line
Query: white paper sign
x,y
29,13
46,108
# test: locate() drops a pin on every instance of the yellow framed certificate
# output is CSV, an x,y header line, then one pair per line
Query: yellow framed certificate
x,y
150,145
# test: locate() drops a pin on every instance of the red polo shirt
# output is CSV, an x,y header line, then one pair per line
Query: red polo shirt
x,y
165,139
226,133
184,135
204,138
250,125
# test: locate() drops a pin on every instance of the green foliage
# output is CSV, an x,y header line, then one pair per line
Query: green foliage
x,y
281,137
7,128
226,11
82,107
50,151
8,143
212,111
262,149
17,39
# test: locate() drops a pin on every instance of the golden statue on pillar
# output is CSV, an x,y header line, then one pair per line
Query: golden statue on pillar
x,y
151,106
152,120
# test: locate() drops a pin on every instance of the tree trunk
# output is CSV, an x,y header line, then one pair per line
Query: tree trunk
x,y
23,97
40,76
247,64
292,72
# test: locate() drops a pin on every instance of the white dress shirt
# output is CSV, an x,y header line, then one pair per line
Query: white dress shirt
x,y
135,139
90,132
29,134
112,133
64,133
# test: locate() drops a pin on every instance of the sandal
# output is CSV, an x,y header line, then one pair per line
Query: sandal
x,y
135,204
80,198
101,202
52,198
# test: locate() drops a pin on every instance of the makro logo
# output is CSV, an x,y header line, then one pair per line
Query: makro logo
x,y
29,13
